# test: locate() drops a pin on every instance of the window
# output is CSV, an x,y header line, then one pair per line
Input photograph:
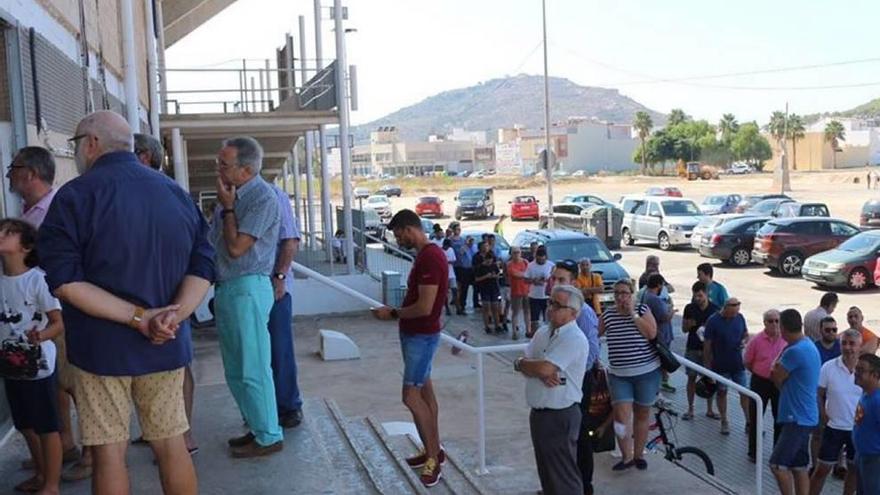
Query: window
x,y
654,210
842,229
680,208
641,208
753,227
812,228
561,209
630,205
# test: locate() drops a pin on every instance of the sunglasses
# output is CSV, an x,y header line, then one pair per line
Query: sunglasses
x,y
622,293
772,321
830,329
553,304
13,166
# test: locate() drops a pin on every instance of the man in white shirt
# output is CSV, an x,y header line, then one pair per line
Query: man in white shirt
x,y
813,317
838,396
554,365
537,275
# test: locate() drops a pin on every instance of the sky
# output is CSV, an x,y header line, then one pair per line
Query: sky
x,y
408,50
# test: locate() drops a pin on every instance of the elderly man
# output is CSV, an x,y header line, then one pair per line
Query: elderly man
x,y
554,365
813,317
287,394
838,397
30,175
117,240
149,151
725,337
856,319
245,234
760,355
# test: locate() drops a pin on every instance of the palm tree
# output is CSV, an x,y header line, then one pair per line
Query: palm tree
x,y
834,133
796,130
643,125
777,124
676,116
728,126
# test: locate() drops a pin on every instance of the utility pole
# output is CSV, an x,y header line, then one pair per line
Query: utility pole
x,y
326,207
548,150
344,149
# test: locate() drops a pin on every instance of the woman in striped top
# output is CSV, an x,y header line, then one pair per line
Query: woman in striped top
x,y
634,371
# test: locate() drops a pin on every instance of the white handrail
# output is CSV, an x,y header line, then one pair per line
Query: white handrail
x,y
477,351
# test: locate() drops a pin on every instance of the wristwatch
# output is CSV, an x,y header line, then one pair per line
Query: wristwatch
x,y
516,363
395,314
279,275
137,318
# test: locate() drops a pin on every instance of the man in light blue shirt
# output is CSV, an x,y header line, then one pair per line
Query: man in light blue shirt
x,y
716,292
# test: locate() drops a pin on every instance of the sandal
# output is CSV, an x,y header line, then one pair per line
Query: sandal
x,y
623,465
713,415
30,485
687,416
725,428
641,464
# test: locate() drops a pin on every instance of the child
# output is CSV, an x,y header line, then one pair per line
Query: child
x,y
486,276
30,319
450,259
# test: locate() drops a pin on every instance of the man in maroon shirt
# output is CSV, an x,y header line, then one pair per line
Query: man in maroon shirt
x,y
420,328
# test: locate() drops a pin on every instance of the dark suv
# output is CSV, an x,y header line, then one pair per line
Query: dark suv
x,y
870,216
389,190
475,202
784,243
567,244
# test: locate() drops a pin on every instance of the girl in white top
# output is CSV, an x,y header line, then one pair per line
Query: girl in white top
x,y
450,258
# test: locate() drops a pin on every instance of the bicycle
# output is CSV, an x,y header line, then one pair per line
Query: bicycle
x,y
673,453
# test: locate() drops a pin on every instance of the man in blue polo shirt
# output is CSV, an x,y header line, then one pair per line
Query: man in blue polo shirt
x,y
116,241
796,375
725,337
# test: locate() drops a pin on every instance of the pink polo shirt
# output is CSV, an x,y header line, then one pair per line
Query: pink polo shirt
x,y
35,214
761,352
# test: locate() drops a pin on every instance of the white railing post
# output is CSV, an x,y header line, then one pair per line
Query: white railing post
x,y
481,414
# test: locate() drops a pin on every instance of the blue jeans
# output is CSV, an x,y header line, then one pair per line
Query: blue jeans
x,y
868,467
283,359
418,351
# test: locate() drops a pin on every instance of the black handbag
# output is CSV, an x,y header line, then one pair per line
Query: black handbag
x,y
668,361
598,411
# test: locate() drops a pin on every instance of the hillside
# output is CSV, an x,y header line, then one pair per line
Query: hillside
x,y
869,110
504,102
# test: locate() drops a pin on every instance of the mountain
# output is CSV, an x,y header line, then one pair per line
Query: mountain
x,y
869,110
504,102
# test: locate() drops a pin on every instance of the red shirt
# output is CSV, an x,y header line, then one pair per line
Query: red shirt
x,y
429,268
518,286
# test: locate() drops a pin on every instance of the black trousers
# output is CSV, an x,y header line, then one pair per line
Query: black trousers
x,y
554,438
769,393
466,280
585,443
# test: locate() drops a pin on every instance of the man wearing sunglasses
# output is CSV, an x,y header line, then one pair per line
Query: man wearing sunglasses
x,y
760,355
554,365
30,175
726,335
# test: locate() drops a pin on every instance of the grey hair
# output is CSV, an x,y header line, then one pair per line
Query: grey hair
x,y
575,297
851,333
144,143
38,159
249,153
770,312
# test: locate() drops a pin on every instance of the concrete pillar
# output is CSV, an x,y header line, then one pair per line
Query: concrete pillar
x,y
326,207
129,65
178,150
152,69
344,150
297,194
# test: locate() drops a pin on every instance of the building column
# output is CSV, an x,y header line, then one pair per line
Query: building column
x,y
129,66
178,151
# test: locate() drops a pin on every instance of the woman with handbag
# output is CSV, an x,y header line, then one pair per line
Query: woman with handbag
x,y
633,374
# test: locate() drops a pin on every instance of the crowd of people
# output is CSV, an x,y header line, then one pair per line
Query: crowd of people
x,y
100,278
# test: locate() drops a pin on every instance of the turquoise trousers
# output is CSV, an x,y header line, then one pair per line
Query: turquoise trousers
x,y
241,310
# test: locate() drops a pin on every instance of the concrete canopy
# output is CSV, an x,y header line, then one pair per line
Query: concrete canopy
x,y
181,17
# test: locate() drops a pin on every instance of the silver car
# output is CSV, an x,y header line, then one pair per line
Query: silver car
x,y
667,221
708,224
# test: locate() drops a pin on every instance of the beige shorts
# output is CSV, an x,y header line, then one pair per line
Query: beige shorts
x,y
104,405
63,369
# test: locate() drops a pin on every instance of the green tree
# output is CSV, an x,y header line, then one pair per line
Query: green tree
x,y
728,127
677,116
749,145
796,131
643,125
834,133
777,124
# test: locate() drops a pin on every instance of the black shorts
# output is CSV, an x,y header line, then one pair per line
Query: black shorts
x,y
490,293
538,309
33,404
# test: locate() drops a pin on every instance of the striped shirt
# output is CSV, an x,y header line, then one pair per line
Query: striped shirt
x,y
629,352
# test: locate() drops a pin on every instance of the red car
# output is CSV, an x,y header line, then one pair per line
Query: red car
x,y
524,208
429,206
663,191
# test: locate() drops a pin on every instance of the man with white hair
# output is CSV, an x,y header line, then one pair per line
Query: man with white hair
x,y
116,241
554,365
245,235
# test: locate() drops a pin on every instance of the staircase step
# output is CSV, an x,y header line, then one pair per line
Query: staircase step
x,y
345,468
392,473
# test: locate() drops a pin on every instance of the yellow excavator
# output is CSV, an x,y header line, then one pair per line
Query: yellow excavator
x,y
696,170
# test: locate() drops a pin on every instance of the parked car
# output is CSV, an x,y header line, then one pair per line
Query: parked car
x,y
732,241
389,190
560,173
707,224
579,173
716,204
870,215
766,207
524,208
795,209
784,243
475,202
740,168
381,204
361,193
500,241
663,191
373,226
667,221
752,199
585,200
851,264
565,216
429,206
566,244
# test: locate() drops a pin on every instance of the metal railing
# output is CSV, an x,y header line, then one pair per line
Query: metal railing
x,y
479,352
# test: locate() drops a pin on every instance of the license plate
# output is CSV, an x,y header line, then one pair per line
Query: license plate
x,y
809,272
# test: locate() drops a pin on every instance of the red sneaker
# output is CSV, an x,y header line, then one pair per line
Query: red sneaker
x,y
430,473
420,460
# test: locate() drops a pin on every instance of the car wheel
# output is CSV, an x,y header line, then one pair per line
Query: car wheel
x,y
458,217
858,279
627,238
740,257
663,241
791,264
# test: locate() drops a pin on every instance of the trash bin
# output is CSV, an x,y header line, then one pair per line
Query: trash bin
x,y
605,223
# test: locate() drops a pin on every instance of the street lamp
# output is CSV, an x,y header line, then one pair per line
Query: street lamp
x,y
547,165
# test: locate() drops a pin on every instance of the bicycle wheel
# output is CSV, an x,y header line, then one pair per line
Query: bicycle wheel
x,y
679,453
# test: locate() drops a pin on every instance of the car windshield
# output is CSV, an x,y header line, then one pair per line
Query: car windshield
x,y
680,208
525,199
579,249
478,237
371,217
708,222
429,199
472,193
715,200
376,199
766,206
861,243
